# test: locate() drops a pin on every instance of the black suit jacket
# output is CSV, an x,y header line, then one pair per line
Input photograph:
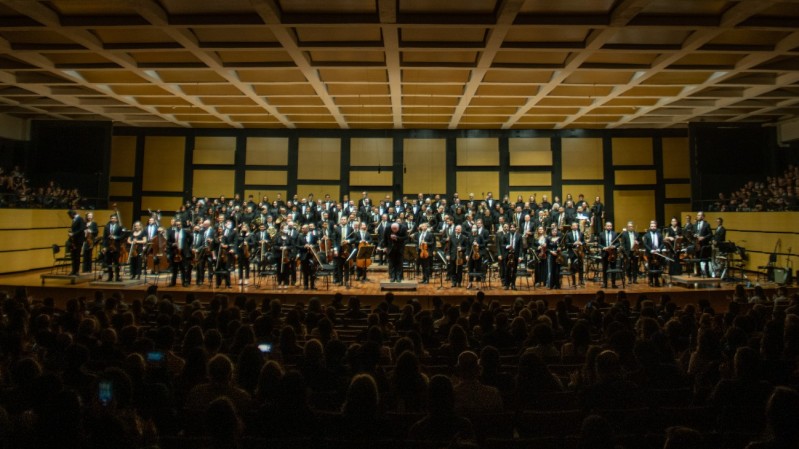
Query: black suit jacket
x,y
395,245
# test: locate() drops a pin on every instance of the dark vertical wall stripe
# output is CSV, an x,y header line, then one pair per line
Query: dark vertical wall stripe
x,y
139,174
398,156
610,176
660,186
452,158
557,167
241,161
346,145
188,168
504,167
294,148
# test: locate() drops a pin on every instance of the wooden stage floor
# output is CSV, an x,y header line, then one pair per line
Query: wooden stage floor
x,y
370,291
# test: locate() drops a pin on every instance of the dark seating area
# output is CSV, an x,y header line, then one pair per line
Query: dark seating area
x,y
239,373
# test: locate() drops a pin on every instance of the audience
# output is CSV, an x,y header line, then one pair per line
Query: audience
x,y
192,371
16,192
777,193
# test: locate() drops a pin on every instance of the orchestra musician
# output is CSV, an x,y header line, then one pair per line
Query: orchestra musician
x,y
284,252
499,240
137,240
245,245
458,245
674,234
307,240
610,247
704,237
539,243
653,243
112,238
204,248
91,232
629,245
344,237
262,241
222,251
426,263
575,243
479,248
510,255
395,238
77,235
362,236
554,257
179,244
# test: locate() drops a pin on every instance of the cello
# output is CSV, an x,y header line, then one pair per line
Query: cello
x,y
156,257
114,243
363,262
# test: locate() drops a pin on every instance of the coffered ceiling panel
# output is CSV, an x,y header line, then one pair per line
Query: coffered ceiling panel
x,y
401,63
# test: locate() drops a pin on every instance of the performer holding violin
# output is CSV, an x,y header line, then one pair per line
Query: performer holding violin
x,y
91,232
307,259
112,238
575,243
77,235
674,242
609,241
629,245
284,252
653,243
245,242
510,254
137,240
427,250
223,253
539,257
458,245
479,252
344,237
362,238
555,257
179,244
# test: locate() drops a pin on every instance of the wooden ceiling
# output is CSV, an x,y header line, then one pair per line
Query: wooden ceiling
x,y
401,63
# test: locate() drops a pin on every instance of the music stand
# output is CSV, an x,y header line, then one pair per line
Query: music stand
x,y
365,253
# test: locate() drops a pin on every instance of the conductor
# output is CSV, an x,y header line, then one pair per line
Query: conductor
x,y
395,238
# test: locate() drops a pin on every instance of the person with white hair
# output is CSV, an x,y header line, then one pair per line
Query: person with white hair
x,y
394,239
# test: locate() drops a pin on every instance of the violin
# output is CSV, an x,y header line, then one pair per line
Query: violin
x,y
424,253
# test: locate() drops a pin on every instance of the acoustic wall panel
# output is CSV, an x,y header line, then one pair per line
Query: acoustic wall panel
x,y
123,156
477,151
214,150
267,151
371,178
590,192
530,151
633,205
582,158
678,190
530,178
213,183
636,177
167,205
476,182
266,177
372,151
319,158
319,191
425,162
163,163
676,158
632,151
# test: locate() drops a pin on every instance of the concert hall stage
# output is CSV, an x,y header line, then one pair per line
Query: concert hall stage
x,y
370,291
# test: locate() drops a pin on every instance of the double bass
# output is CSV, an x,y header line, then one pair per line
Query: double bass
x,y
363,262
156,257
114,245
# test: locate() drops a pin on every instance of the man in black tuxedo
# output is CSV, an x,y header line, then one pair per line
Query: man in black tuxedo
x,y
704,238
77,236
610,247
179,242
395,237
510,254
575,243
458,243
362,235
653,243
629,244
429,238
112,239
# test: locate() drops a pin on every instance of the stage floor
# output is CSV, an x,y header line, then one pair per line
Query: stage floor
x,y
369,291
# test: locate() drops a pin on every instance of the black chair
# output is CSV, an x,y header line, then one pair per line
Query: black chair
x,y
61,264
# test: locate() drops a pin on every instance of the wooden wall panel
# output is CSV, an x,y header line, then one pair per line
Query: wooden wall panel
x,y
372,151
477,151
319,158
371,178
267,151
120,188
375,195
635,205
214,150
123,156
678,190
319,191
633,177
163,163
632,151
530,178
676,158
477,182
426,163
213,183
266,177
582,158
125,209
530,151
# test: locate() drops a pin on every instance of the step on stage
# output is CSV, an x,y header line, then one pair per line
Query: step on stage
x,y
695,282
404,286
